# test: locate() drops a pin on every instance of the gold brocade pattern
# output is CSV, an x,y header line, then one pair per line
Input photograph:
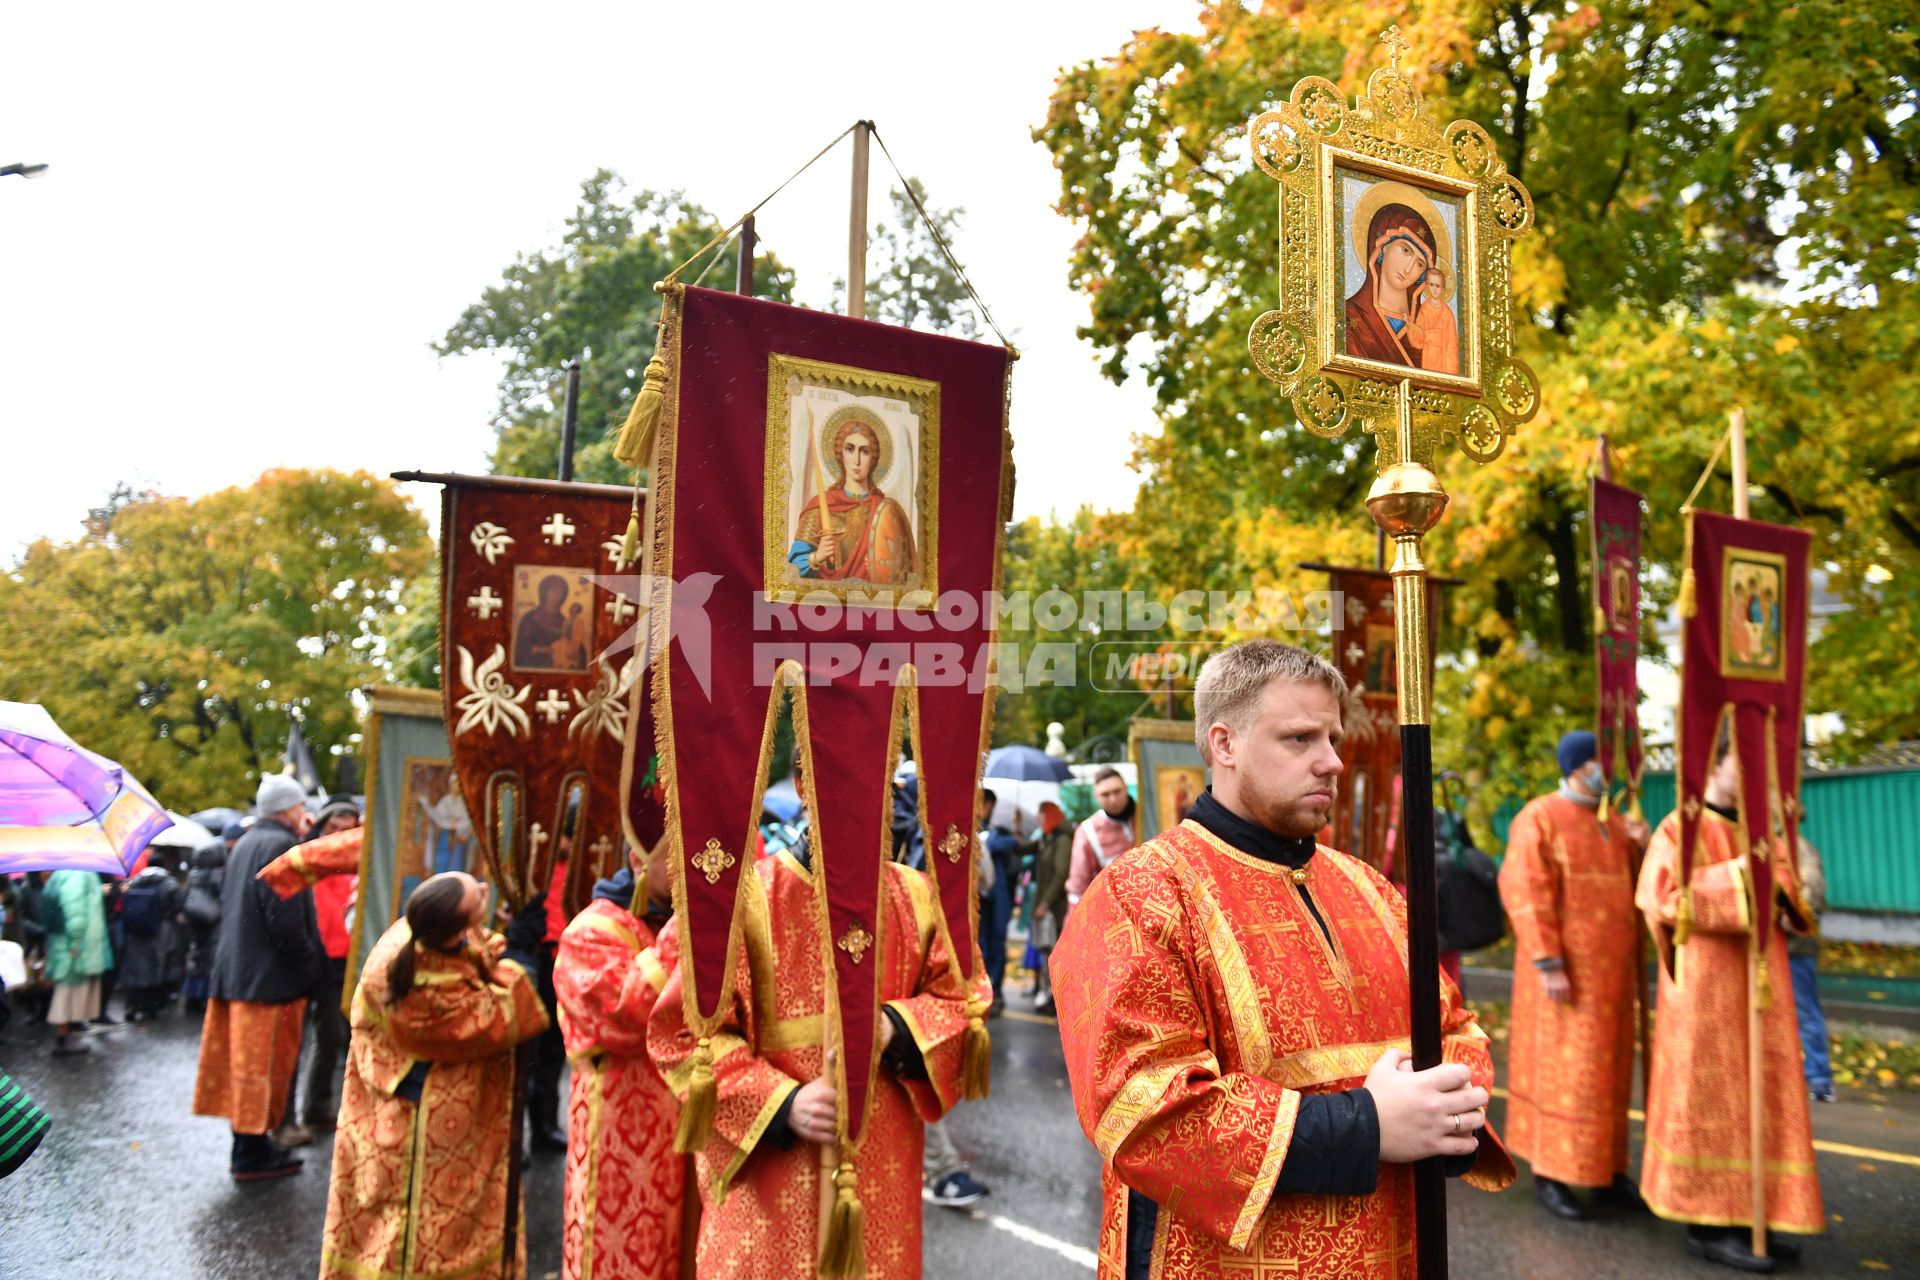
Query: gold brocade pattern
x,y
1567,883
625,1187
1697,1164
248,1053
1184,966
420,1189
761,1203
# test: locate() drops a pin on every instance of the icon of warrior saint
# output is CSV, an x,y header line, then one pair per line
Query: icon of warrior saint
x,y
850,531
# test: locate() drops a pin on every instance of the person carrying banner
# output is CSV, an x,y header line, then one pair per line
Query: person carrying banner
x,y
1696,1167
626,1187
1567,882
420,1160
1234,1010
759,1171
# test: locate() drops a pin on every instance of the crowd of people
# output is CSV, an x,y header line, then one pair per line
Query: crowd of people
x,y
1232,1000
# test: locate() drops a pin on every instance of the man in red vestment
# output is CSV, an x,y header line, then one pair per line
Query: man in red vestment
x,y
758,1176
1233,1005
626,1187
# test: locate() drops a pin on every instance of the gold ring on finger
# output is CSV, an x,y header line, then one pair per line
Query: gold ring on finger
x,y
1456,1124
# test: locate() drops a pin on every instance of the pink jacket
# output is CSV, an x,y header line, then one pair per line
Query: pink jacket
x,y
1096,842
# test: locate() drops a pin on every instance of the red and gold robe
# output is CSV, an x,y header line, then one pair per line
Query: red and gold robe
x,y
760,1204
420,1188
626,1188
1567,883
1199,1002
1697,1166
876,540
248,1056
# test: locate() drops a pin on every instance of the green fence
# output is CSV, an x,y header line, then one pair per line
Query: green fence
x,y
1865,822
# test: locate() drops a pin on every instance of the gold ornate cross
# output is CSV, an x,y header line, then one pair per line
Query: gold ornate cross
x,y
1397,44
855,941
952,843
712,861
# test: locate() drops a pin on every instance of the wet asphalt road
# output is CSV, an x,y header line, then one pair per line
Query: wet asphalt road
x,y
129,1184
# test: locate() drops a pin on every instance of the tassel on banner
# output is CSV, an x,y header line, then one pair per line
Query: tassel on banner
x,y
843,1254
1763,985
1689,589
703,1092
1683,917
976,1061
630,545
635,445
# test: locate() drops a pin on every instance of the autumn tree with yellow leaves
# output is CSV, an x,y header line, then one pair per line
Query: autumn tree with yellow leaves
x,y
1726,196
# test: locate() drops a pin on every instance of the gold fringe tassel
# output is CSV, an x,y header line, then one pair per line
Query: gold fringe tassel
x,y
976,1060
1606,804
635,445
1689,589
843,1254
696,1117
1763,985
1683,917
630,545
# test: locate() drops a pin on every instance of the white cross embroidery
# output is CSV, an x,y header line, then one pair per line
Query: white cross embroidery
x,y
601,848
553,706
619,608
557,529
616,549
485,603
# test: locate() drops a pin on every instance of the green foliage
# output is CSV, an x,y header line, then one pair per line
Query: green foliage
x,y
590,297
1726,196
178,635
909,280
412,631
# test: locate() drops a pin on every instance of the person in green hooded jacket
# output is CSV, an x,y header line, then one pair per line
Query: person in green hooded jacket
x,y
77,954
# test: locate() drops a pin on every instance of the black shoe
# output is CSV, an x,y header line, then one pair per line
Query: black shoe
x,y
1782,1249
1729,1247
548,1138
1621,1194
998,1007
262,1158
1557,1199
956,1191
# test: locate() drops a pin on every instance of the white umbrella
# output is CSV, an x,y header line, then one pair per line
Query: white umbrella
x,y
1022,795
185,833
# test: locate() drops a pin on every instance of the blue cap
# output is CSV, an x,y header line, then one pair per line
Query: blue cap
x,y
233,832
1575,749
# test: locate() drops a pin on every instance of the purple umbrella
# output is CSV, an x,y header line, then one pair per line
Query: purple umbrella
x,y
63,807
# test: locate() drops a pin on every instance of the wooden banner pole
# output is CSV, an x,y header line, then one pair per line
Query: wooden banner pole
x,y
1756,1062
857,224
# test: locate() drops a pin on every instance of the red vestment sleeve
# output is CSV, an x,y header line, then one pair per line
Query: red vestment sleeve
x,y
1722,894
1147,1084
604,988
749,1089
453,1015
1530,886
936,1014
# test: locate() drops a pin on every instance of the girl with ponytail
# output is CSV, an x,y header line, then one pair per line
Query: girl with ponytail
x,y
421,1161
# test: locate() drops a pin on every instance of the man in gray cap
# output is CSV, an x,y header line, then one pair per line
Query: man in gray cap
x,y
1567,883
268,960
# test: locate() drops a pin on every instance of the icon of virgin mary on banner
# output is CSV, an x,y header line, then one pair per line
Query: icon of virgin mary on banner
x,y
1402,267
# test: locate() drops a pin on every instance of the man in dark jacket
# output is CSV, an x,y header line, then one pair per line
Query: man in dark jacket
x,y
267,961
206,877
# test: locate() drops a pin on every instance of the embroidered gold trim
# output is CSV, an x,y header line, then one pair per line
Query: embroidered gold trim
x,y
1262,1190
594,922
1236,978
596,1099
712,861
1139,1096
723,1180
855,941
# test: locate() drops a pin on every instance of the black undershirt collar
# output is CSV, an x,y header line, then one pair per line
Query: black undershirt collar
x,y
1731,815
1250,837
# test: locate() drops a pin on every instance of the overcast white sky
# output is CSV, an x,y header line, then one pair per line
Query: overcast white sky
x,y
259,216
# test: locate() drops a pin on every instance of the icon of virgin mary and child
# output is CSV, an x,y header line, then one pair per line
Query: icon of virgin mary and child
x,y
850,531
1399,314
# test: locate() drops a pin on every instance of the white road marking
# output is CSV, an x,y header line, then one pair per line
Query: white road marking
x,y
1038,1239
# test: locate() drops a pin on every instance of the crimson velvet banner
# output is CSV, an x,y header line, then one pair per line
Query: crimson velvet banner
x,y
536,715
1616,521
819,483
1745,609
1366,803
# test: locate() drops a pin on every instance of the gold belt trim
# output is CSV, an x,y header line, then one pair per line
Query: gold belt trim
x,y
1333,1062
1729,1164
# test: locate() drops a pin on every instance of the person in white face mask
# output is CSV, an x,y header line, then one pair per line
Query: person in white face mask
x,y
1567,884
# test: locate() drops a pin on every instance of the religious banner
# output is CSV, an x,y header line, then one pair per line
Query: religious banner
x,y
1615,517
828,496
1365,809
1170,770
415,816
535,707
1744,600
